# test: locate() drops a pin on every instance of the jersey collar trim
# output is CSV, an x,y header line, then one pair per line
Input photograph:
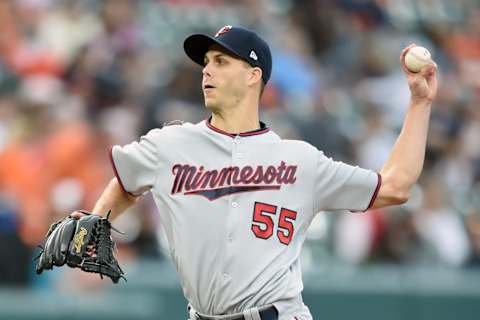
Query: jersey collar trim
x,y
263,129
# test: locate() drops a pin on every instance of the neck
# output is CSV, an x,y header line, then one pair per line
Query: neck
x,y
234,124
236,120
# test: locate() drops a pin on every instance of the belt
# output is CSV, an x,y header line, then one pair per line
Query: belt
x,y
268,312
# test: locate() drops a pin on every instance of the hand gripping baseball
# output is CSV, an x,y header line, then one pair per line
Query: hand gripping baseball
x,y
83,243
423,84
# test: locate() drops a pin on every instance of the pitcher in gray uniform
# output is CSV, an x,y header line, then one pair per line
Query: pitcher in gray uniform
x,y
236,199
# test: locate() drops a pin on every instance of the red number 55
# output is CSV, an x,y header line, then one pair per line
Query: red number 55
x,y
263,225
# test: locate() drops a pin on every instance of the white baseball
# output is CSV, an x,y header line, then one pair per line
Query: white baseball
x,y
416,58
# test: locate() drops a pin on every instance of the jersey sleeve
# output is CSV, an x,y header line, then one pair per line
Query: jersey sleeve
x,y
339,186
135,164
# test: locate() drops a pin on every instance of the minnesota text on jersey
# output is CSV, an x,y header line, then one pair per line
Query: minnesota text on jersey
x,y
214,184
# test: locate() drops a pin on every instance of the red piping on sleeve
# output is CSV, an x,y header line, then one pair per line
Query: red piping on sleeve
x,y
375,194
116,173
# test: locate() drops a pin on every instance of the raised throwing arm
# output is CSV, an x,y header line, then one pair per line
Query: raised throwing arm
x,y
404,165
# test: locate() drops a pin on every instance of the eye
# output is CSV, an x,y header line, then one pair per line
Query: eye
x,y
221,61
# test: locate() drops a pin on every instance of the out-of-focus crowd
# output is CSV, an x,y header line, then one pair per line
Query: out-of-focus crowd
x,y
79,76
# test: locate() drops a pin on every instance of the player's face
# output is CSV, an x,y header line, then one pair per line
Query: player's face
x,y
225,79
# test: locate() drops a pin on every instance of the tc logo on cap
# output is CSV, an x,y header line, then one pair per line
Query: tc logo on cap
x,y
253,55
223,30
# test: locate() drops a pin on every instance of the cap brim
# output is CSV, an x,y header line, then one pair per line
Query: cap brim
x,y
197,45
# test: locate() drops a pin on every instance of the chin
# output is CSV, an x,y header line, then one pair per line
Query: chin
x,y
211,105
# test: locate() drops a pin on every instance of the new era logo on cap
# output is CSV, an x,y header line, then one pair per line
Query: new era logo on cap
x,y
253,55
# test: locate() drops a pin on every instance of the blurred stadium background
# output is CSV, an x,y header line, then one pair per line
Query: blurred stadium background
x,y
78,76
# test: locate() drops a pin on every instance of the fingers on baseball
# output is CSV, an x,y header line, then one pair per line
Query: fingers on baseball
x,y
405,50
429,70
430,76
402,58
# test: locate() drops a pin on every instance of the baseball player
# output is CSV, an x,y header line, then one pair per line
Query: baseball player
x,y
236,199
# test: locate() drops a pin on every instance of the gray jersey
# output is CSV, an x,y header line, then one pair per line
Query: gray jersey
x,y
236,208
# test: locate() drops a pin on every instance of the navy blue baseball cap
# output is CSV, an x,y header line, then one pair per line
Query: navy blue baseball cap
x,y
241,42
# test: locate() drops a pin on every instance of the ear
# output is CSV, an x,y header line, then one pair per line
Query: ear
x,y
255,76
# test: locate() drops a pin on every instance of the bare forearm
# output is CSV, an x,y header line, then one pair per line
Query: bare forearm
x,y
407,157
113,198
405,163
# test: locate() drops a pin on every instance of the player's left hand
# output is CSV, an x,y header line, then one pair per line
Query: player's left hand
x,y
423,84
84,243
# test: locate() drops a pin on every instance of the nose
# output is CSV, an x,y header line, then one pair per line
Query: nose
x,y
206,70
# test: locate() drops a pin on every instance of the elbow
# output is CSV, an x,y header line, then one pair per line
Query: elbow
x,y
395,197
404,189
397,190
401,197
401,191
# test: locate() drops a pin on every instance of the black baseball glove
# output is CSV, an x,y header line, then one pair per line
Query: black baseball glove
x,y
83,243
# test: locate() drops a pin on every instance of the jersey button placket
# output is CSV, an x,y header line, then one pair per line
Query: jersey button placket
x,y
236,153
233,217
233,203
236,144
